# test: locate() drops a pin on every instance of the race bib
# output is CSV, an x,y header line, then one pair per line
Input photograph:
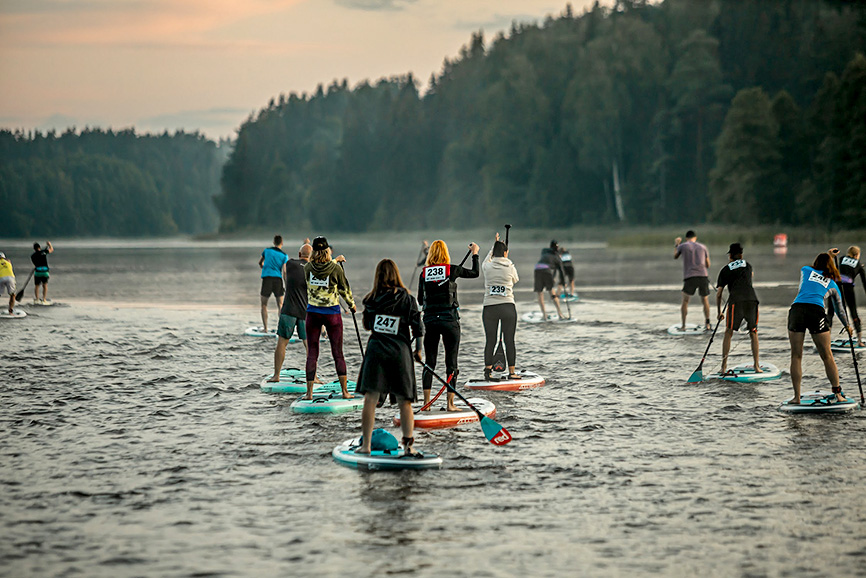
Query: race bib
x,y
739,263
388,324
566,258
316,282
818,278
435,273
497,290
850,261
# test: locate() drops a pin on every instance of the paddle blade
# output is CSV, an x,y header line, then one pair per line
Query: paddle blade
x,y
499,358
495,433
697,376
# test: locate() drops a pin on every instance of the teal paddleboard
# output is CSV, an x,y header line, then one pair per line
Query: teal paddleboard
x,y
344,454
819,402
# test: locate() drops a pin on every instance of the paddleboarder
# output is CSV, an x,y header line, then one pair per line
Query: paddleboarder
x,y
499,312
294,309
437,294
742,303
39,258
567,282
7,280
696,262
390,314
326,283
545,270
809,311
272,263
849,268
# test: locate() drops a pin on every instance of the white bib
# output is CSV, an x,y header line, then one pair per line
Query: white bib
x,y
316,282
498,290
388,324
850,261
435,273
736,264
818,278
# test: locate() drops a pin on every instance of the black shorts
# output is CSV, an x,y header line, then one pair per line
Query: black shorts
x,y
803,316
701,284
272,286
569,273
543,280
747,310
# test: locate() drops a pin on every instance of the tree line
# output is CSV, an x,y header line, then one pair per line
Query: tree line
x,y
681,111
108,183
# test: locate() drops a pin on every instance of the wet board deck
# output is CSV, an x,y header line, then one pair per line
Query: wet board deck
x,y
344,454
439,419
536,317
291,381
746,373
570,297
819,402
16,314
845,345
691,329
46,303
329,399
259,331
528,380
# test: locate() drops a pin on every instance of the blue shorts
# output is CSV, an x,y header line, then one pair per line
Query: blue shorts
x,y
287,326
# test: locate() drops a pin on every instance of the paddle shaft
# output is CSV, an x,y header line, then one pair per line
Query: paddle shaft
x,y
355,321
452,389
716,328
20,294
851,343
507,230
415,270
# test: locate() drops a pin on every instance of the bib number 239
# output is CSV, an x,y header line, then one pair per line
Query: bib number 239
x,y
388,324
497,290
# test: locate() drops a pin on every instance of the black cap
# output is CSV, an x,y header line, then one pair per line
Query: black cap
x,y
735,249
553,244
320,244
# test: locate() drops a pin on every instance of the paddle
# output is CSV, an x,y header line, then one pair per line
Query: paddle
x,y
355,321
853,353
418,260
698,375
495,433
507,230
20,294
435,397
499,355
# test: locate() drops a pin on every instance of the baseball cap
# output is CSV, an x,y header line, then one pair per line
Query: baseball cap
x,y
320,243
735,249
553,244
2,255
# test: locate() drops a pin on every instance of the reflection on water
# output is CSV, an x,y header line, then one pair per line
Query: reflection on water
x,y
135,440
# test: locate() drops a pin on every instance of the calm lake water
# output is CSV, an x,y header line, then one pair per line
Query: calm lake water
x,y
136,442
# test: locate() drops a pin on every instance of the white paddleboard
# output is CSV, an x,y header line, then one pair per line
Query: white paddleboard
x,y
537,317
528,380
691,329
344,454
746,373
438,419
819,402
259,331
844,345
16,314
45,303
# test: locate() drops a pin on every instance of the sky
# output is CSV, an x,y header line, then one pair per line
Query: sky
x,y
208,64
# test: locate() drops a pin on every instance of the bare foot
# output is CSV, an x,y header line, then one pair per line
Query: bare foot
x,y
840,398
455,408
362,451
758,369
347,395
307,397
792,401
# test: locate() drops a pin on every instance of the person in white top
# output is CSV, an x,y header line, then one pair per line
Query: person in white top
x,y
499,311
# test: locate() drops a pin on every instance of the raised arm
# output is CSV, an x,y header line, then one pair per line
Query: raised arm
x,y
677,247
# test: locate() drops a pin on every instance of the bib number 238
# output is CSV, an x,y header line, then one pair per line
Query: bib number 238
x,y
388,324
435,273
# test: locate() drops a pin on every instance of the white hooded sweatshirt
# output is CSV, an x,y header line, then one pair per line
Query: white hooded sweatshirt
x,y
500,275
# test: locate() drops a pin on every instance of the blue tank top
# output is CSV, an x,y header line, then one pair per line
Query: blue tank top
x,y
814,287
274,261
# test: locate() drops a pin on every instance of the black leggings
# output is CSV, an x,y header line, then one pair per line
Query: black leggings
x,y
851,303
448,328
492,316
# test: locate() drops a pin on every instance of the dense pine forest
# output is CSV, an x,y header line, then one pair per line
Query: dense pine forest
x,y
741,111
106,183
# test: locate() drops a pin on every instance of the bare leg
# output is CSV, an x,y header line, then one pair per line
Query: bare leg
x,y
309,390
426,397
345,386
279,357
407,418
36,292
753,336
706,301
684,310
265,314
726,348
11,302
541,304
796,340
822,342
45,291
555,299
368,417
450,397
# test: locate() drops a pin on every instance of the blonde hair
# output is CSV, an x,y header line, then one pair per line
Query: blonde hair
x,y
321,256
853,251
438,254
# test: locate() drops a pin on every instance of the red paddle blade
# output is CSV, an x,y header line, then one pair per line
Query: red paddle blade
x,y
495,433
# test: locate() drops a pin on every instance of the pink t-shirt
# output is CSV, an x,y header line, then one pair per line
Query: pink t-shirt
x,y
694,256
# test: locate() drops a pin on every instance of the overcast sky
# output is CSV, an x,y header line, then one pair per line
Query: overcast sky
x,y
207,64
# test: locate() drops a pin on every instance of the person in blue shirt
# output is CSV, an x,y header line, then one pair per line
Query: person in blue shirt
x,y
273,262
817,291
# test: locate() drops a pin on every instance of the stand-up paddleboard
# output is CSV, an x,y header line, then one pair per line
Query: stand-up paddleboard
x,y
537,317
438,419
746,373
16,314
344,454
44,303
328,398
527,380
291,381
691,329
845,345
570,297
259,331
819,402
